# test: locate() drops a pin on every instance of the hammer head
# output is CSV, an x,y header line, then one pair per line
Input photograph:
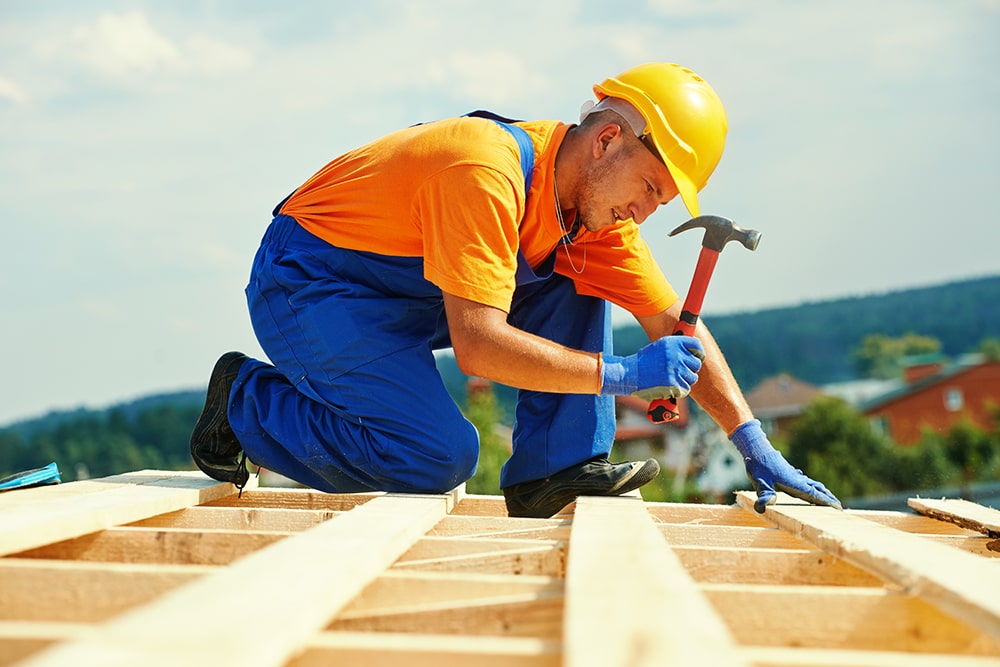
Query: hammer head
x,y
720,231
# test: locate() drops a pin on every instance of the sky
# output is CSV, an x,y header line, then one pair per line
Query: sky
x,y
144,144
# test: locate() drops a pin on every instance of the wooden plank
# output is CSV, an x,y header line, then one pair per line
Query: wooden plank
x,y
19,639
744,537
296,499
481,505
841,617
771,566
528,615
63,516
33,590
403,591
385,649
972,516
502,527
529,557
297,585
979,544
655,616
239,518
704,515
159,545
911,523
804,657
962,584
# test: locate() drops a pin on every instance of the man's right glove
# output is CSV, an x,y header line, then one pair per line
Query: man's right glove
x,y
666,368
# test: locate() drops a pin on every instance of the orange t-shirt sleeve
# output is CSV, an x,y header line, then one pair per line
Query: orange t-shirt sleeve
x,y
468,215
618,266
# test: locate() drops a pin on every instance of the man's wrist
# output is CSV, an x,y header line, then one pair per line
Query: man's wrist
x,y
750,440
615,375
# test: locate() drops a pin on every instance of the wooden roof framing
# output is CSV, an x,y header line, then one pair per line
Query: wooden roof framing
x,y
170,568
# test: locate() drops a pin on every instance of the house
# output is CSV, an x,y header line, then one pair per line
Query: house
x,y
937,396
778,401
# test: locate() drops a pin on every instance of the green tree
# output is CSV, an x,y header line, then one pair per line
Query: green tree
x,y
482,410
921,466
990,349
834,443
879,356
972,452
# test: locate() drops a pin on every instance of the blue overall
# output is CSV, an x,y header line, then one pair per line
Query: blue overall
x,y
354,401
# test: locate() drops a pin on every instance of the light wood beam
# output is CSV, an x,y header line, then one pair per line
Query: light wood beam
x,y
239,518
297,585
962,513
962,584
629,601
42,517
159,545
386,649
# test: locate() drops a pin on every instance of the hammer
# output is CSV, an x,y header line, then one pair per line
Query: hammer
x,y
718,232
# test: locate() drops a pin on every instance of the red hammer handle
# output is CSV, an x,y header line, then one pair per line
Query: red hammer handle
x,y
665,410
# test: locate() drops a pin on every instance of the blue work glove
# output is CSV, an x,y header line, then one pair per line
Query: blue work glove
x,y
666,368
769,472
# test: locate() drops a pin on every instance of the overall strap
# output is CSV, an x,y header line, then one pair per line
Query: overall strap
x,y
524,145
525,274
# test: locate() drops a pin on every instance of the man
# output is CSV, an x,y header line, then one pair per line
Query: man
x,y
506,241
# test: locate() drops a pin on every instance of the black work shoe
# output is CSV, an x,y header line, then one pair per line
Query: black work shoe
x,y
214,446
540,499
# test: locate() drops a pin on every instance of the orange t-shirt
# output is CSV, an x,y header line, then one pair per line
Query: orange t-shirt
x,y
452,192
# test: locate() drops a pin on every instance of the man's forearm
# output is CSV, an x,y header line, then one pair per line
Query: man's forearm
x,y
717,391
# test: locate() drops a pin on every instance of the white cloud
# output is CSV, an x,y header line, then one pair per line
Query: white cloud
x,y
128,47
12,92
118,45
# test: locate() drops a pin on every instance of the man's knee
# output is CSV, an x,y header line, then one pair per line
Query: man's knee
x,y
455,463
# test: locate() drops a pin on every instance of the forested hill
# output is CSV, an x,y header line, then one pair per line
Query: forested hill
x,y
814,341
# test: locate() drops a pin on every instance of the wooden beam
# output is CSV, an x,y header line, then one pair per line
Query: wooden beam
x,y
629,601
296,499
911,523
296,585
159,545
400,590
386,649
962,584
526,615
44,590
503,527
239,518
841,617
963,513
496,556
979,544
42,517
20,639
805,657
771,566
737,537
704,515
481,505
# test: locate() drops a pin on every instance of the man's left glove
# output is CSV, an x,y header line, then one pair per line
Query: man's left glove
x,y
769,472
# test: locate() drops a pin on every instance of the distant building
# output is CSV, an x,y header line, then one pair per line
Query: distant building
x,y
936,396
779,400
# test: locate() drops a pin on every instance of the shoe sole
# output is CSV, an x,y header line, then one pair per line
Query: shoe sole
x,y
641,474
212,416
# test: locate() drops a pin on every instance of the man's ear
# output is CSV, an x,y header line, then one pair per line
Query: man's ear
x,y
606,134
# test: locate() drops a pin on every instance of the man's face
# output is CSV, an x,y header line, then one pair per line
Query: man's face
x,y
625,182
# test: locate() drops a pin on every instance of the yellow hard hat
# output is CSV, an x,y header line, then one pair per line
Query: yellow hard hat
x,y
684,117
